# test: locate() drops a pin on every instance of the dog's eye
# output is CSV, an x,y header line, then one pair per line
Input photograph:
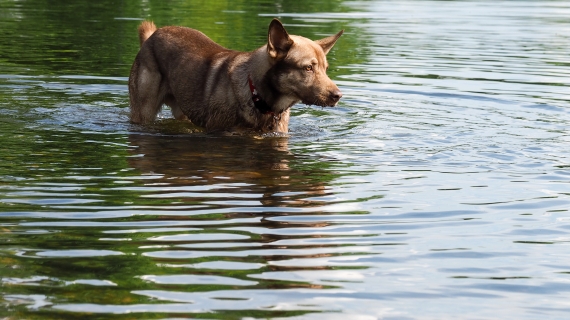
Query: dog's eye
x,y
309,68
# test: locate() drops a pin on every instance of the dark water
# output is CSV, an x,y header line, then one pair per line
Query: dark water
x,y
439,188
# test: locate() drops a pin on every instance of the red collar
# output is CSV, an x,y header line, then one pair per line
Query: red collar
x,y
259,103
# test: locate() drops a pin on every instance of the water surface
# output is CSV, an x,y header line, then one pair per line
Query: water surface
x,y
439,187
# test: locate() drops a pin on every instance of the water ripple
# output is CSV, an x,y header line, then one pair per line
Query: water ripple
x,y
442,176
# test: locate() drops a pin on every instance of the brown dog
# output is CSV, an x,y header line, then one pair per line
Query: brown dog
x,y
220,89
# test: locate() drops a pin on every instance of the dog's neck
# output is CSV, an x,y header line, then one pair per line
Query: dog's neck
x,y
258,102
274,100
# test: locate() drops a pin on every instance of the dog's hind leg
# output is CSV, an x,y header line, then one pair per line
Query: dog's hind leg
x,y
176,111
145,94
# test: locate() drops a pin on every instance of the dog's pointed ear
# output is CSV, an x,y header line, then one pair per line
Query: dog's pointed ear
x,y
278,40
328,42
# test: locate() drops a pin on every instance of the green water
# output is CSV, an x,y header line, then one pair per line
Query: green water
x,y
438,188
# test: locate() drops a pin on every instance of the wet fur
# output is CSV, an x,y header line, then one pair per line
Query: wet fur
x,y
207,84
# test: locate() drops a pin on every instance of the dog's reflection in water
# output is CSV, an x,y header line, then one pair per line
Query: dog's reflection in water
x,y
243,166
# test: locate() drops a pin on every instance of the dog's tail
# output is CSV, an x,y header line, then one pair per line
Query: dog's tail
x,y
146,29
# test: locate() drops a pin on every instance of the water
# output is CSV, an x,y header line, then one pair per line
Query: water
x,y
437,189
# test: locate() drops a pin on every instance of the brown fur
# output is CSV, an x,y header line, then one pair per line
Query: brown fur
x,y
207,84
146,29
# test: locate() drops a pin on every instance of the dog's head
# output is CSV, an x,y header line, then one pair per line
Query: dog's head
x,y
300,66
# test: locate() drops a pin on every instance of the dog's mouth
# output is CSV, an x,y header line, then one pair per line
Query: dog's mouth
x,y
329,100
320,103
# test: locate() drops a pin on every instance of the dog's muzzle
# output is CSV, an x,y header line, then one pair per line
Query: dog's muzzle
x,y
335,96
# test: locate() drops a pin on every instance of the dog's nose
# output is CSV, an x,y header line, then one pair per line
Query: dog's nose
x,y
336,95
